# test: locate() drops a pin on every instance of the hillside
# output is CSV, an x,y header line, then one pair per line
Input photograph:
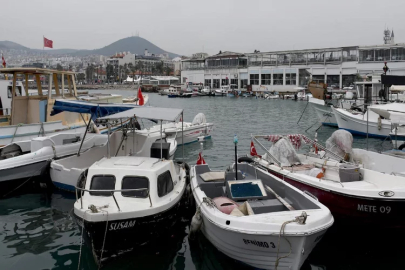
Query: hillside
x,y
9,45
135,45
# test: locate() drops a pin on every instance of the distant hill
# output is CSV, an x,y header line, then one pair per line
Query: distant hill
x,y
9,45
135,45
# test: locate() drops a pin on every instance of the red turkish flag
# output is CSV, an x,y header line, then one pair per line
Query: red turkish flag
x,y
253,151
3,61
141,101
200,160
48,43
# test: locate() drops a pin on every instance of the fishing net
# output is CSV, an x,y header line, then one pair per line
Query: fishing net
x,y
199,119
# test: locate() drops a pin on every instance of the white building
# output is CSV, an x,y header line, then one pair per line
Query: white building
x,y
285,70
148,60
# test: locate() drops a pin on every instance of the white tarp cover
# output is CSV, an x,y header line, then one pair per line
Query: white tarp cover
x,y
152,113
199,119
341,143
393,111
284,152
399,88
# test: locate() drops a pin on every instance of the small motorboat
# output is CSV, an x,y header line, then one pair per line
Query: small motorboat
x,y
129,201
223,91
192,130
358,186
257,218
26,159
206,91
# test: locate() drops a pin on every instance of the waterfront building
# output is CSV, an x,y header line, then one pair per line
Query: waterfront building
x,y
286,70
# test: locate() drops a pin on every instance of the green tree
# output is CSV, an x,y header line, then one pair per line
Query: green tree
x,y
160,67
59,67
81,77
168,70
90,73
109,72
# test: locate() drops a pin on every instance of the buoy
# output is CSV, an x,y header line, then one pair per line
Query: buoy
x,y
195,225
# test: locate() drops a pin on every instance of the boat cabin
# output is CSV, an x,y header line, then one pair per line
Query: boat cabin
x,y
20,106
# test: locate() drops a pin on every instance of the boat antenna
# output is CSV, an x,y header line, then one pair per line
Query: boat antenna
x,y
235,141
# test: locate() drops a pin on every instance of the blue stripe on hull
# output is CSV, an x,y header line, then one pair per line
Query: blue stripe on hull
x,y
355,132
64,186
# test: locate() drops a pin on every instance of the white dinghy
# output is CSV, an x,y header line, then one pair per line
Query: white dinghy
x,y
129,201
256,218
25,159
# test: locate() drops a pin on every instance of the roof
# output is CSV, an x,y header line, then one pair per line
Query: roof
x,y
225,55
151,113
35,71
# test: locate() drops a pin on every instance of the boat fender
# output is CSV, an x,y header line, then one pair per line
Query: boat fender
x,y
195,225
401,147
245,159
379,123
81,181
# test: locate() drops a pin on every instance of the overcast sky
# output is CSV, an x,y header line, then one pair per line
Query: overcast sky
x,y
189,26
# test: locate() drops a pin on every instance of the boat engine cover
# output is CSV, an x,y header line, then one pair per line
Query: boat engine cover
x,y
283,151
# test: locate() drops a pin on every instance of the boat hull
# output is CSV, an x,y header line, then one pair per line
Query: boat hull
x,y
325,115
12,178
127,234
358,125
378,213
191,134
260,251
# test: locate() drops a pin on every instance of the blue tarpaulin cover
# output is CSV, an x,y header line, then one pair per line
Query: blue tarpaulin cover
x,y
96,110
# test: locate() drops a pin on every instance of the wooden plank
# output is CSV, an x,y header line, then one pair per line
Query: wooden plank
x,y
74,85
63,85
26,85
56,82
286,204
39,86
12,97
69,85
50,86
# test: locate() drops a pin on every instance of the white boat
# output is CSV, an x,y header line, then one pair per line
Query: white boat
x,y
271,95
206,91
65,173
359,123
223,91
26,159
395,113
132,200
192,130
257,218
361,188
323,111
172,90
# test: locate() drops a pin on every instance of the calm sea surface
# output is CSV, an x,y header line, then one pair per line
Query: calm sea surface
x,y
37,231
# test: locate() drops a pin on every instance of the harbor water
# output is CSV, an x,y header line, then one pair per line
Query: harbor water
x,y
38,232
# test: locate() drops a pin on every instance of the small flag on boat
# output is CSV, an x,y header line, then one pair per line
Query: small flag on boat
x,y
48,43
141,101
3,61
200,160
253,151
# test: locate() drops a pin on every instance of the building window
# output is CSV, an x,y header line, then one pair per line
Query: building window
x,y
266,79
278,79
234,81
164,183
254,79
225,81
290,78
207,82
216,83
102,182
243,83
135,182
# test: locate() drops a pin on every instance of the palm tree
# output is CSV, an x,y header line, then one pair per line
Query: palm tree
x,y
160,67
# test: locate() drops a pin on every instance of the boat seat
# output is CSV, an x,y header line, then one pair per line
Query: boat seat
x,y
267,206
213,188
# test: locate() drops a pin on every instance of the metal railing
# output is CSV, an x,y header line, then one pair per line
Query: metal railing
x,y
108,190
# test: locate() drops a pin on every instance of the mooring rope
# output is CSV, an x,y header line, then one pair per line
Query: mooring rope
x,y
282,231
81,240
105,236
